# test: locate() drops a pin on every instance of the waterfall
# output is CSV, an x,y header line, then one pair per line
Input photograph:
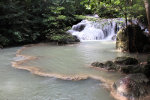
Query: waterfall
x,y
100,29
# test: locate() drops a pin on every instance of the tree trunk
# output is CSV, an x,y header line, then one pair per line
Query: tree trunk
x,y
147,8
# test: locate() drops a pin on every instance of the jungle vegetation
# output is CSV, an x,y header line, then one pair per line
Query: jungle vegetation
x,y
31,21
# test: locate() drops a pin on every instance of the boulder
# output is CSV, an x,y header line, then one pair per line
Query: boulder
x,y
146,67
123,64
146,70
97,64
126,61
148,59
132,86
63,38
79,27
130,69
132,39
108,65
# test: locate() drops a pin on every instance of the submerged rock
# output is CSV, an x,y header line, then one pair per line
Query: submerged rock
x,y
132,86
126,61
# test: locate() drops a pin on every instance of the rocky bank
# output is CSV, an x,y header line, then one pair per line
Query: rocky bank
x,y
135,85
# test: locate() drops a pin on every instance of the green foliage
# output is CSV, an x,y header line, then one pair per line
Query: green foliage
x,y
62,39
116,8
28,21
20,21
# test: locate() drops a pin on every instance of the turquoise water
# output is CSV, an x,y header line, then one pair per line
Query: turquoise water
x,y
21,85
71,60
67,61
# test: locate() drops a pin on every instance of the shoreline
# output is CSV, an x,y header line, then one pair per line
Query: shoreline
x,y
37,71
108,84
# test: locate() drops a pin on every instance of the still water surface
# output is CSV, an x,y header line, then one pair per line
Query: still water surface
x,y
68,61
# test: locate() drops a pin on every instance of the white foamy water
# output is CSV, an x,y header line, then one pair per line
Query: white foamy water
x,y
100,29
104,29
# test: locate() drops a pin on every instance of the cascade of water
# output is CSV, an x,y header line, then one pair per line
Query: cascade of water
x,y
104,29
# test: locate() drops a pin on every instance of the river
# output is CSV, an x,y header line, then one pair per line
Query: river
x,y
53,72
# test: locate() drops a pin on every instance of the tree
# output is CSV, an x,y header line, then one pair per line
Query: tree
x,y
147,8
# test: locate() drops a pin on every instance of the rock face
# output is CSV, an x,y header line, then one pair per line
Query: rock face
x,y
132,86
132,39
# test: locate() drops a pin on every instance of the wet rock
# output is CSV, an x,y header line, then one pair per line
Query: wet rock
x,y
132,39
79,27
146,70
130,69
132,86
148,59
146,67
75,39
109,65
126,65
122,40
114,37
126,61
97,64
123,64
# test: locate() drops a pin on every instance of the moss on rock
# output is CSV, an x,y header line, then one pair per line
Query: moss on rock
x,y
63,38
126,61
132,39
